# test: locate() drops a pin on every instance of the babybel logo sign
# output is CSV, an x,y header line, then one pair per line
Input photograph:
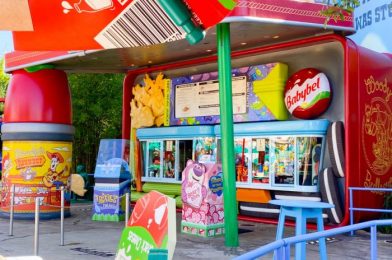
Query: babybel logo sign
x,y
307,93
302,93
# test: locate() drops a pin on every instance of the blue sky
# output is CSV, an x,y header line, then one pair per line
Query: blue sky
x,y
373,21
6,44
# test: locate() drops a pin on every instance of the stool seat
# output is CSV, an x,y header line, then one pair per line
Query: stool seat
x,y
301,204
301,210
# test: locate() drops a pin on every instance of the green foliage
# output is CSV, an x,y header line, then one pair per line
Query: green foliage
x,y
97,109
387,205
337,9
4,79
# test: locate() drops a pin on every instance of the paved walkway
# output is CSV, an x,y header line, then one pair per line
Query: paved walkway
x,y
86,239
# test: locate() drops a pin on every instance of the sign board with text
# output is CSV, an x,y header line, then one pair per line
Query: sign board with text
x,y
151,225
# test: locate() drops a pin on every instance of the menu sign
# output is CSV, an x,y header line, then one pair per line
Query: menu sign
x,y
202,98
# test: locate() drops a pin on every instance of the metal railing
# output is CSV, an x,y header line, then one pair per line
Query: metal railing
x,y
62,207
281,247
352,208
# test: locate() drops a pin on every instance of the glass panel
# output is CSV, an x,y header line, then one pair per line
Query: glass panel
x,y
241,153
154,159
205,149
283,155
219,151
260,160
308,156
169,160
184,154
143,149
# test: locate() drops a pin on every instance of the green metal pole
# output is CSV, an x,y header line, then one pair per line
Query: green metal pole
x,y
226,125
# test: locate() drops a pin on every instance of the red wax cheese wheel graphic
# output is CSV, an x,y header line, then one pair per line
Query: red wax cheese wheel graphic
x,y
151,213
42,97
307,94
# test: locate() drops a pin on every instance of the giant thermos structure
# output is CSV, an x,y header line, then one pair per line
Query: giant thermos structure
x,y
37,136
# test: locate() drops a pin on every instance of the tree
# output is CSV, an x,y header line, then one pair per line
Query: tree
x,y
4,79
337,8
97,110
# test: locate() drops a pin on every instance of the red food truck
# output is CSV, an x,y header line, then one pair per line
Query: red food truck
x,y
353,146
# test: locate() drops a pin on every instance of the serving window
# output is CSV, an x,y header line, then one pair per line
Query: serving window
x,y
205,149
153,159
169,159
260,160
242,158
185,153
278,162
273,162
309,151
164,160
282,160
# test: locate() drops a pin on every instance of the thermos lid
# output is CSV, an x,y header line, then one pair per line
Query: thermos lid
x,y
41,96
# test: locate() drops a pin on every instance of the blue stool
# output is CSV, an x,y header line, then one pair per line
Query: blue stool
x,y
302,210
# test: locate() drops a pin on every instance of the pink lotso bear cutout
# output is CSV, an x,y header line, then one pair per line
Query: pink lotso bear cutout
x,y
193,190
202,197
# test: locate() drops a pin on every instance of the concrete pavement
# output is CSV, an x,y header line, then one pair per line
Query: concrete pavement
x,y
87,239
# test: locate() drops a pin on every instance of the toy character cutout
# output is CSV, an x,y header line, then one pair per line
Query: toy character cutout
x,y
5,192
7,165
53,176
193,189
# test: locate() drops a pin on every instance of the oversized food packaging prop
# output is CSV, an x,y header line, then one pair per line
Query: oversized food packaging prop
x,y
94,24
37,143
147,107
151,225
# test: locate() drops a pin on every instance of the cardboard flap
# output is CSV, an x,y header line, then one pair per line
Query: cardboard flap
x,y
15,16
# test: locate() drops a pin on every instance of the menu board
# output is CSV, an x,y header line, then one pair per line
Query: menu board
x,y
202,98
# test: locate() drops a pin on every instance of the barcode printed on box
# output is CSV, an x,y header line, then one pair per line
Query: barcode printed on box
x,y
142,23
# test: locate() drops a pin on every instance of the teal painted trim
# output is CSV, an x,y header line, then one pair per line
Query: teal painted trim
x,y
226,112
176,132
296,127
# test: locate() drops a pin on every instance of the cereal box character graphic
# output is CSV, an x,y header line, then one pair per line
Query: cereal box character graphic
x,y
193,189
52,177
